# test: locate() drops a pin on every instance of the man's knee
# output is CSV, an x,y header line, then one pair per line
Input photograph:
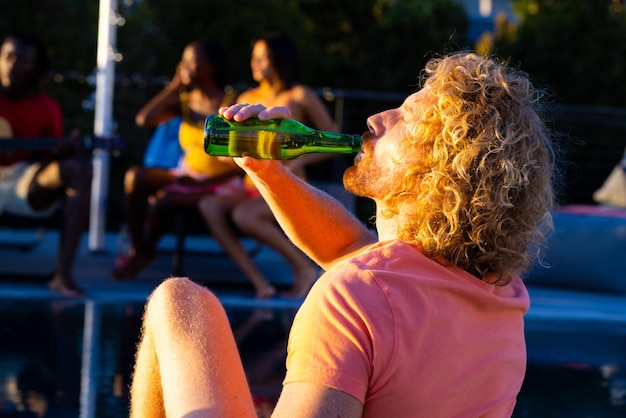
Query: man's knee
x,y
179,299
49,176
175,289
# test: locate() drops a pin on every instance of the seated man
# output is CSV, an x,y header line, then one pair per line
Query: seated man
x,y
425,319
30,188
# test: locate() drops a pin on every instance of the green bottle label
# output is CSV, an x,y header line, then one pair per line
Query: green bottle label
x,y
258,144
275,139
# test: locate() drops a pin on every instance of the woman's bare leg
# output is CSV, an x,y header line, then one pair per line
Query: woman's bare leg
x,y
216,211
255,219
140,184
187,363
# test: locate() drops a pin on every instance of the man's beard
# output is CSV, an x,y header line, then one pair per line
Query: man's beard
x,y
377,177
367,178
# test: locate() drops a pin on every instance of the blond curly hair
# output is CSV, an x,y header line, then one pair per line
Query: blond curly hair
x,y
479,190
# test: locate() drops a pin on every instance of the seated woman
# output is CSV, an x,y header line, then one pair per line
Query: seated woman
x,y
152,193
274,65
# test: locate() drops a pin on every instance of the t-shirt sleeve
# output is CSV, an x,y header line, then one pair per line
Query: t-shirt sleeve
x,y
331,341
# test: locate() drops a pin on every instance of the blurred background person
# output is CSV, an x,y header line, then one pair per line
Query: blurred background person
x,y
32,185
153,193
275,67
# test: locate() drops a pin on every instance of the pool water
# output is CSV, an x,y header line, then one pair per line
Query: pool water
x,y
41,349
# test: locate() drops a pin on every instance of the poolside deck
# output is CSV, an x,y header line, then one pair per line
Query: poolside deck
x,y
23,273
555,315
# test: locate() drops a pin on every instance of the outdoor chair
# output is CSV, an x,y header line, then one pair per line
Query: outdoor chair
x,y
189,222
28,241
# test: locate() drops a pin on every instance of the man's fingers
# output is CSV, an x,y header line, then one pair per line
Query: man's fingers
x,y
249,163
243,111
230,111
275,112
252,165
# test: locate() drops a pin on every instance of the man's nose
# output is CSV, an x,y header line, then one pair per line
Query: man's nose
x,y
373,124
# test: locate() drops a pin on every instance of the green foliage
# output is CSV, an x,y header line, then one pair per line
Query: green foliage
x,y
71,46
358,44
157,31
374,44
416,31
69,29
355,44
577,47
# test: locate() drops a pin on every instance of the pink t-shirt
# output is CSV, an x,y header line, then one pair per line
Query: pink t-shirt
x,y
410,337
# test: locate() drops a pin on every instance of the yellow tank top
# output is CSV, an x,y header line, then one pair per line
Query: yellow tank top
x,y
191,137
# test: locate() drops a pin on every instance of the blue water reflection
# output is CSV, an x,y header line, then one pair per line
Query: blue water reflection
x,y
41,358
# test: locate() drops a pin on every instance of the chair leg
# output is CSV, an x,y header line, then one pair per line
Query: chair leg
x,y
184,222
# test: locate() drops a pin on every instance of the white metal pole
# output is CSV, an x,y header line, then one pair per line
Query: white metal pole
x,y
103,123
90,359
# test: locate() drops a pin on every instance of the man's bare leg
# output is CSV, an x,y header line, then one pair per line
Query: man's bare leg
x,y
187,363
67,179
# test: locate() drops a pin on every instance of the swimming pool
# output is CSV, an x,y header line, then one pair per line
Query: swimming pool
x,y
42,363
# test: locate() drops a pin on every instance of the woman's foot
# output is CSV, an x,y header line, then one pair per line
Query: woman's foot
x,y
132,267
67,288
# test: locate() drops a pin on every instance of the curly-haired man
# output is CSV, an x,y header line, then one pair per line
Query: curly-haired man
x,y
424,319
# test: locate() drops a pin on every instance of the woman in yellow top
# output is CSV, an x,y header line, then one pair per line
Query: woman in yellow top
x,y
274,66
195,91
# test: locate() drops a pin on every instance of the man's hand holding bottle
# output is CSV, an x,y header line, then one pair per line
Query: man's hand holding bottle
x,y
243,111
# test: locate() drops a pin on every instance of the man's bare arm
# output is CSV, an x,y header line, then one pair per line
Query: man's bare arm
x,y
318,224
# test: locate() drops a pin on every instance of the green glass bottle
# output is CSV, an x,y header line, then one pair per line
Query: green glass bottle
x,y
274,139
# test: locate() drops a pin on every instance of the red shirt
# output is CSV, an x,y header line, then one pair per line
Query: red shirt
x,y
38,116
